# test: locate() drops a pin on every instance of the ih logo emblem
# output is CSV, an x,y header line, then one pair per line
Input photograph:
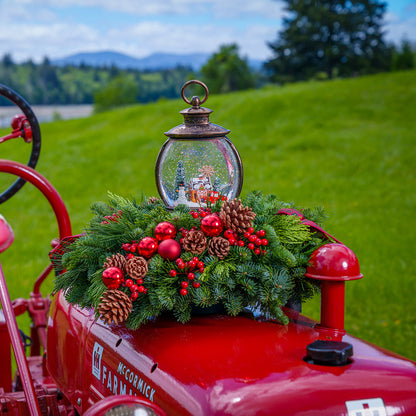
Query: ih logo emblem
x,y
366,407
97,354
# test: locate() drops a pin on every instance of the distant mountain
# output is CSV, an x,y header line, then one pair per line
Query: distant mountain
x,y
155,61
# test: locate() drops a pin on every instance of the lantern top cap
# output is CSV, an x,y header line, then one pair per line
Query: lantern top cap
x,y
196,118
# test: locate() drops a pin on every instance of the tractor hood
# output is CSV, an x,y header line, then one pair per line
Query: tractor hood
x,y
221,365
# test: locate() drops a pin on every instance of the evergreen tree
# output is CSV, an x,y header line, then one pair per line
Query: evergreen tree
x,y
333,37
405,58
180,178
226,71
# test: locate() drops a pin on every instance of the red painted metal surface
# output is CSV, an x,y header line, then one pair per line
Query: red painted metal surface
x,y
36,179
21,128
220,365
37,306
19,352
6,234
5,354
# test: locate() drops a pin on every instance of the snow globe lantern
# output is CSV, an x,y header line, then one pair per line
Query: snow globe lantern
x,y
198,164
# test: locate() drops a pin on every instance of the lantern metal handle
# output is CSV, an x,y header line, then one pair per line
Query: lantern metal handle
x,y
193,101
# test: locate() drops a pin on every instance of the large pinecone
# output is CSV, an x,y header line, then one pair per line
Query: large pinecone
x,y
116,260
219,246
195,242
137,267
115,306
235,216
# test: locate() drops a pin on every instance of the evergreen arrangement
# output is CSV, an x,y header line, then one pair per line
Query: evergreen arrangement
x,y
139,260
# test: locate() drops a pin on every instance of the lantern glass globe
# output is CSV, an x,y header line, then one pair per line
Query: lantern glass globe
x,y
198,172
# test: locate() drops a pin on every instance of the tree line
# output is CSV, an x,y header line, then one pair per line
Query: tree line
x,y
48,84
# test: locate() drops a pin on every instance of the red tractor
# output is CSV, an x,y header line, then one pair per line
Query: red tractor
x,y
215,364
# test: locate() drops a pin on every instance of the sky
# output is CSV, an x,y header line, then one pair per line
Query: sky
x,y
33,29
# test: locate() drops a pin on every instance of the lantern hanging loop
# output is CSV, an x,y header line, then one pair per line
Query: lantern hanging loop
x,y
195,101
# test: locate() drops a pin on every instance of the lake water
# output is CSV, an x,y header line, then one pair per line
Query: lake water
x,y
46,113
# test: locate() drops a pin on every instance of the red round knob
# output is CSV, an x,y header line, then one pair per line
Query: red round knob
x,y
333,262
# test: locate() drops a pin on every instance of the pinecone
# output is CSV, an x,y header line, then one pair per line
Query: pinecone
x,y
152,200
137,267
233,215
195,242
219,246
115,306
116,260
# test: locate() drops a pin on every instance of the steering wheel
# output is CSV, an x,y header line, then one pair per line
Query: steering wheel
x,y
26,126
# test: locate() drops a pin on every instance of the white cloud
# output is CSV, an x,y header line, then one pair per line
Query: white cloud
x,y
398,28
148,37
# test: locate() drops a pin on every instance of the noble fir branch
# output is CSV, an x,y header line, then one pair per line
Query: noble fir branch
x,y
233,303
282,255
183,308
96,288
204,296
101,209
249,286
65,280
76,293
239,255
218,291
316,214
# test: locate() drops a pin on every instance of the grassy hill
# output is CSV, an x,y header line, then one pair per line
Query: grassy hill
x,y
347,145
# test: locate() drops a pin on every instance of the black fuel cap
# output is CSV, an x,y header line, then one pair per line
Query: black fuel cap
x,y
332,353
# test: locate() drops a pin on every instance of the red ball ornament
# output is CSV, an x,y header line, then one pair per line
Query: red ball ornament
x,y
211,225
113,277
165,231
147,247
169,250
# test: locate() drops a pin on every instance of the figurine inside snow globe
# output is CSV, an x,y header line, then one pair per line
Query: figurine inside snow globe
x,y
198,164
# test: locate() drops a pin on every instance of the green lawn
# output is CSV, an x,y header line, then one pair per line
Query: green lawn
x,y
347,145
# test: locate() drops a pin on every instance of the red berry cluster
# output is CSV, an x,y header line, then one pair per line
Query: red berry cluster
x,y
201,213
135,288
253,240
187,268
130,247
113,218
